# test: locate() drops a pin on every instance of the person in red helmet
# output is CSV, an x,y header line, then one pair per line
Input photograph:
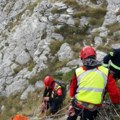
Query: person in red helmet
x,y
53,95
88,85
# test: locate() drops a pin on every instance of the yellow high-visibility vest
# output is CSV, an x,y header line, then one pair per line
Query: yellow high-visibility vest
x,y
91,84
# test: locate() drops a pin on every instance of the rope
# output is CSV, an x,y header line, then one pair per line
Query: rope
x,y
62,109
49,116
55,115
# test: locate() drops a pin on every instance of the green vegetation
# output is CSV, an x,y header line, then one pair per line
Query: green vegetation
x,y
77,33
73,33
93,1
13,105
30,65
113,27
39,76
31,7
18,69
55,46
72,3
56,10
95,21
55,64
55,21
104,48
67,76
90,12
60,64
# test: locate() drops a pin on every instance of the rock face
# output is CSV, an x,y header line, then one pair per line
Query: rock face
x,y
26,32
111,16
65,52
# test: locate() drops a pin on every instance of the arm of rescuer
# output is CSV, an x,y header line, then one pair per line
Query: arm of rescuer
x,y
73,86
72,90
58,98
107,58
113,90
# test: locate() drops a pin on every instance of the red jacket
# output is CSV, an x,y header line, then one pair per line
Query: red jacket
x,y
111,88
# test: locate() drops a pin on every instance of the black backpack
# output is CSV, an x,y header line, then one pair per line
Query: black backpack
x,y
63,87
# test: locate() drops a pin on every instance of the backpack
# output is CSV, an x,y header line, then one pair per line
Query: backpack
x,y
19,117
63,87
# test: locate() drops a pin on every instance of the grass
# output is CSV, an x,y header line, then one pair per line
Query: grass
x,y
55,46
93,1
39,76
30,65
13,105
78,33
56,10
73,32
72,3
68,76
96,22
17,69
90,12
113,28
104,48
53,65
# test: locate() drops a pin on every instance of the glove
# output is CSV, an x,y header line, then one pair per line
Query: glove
x,y
71,111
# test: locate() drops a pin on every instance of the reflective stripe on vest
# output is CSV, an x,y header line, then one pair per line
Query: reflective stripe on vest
x,y
111,53
105,65
114,66
91,84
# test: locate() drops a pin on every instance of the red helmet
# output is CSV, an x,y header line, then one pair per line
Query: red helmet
x,y
87,52
48,80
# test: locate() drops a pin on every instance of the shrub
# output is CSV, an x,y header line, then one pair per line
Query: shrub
x,y
79,14
67,76
104,48
55,46
56,10
72,3
96,22
31,64
93,1
60,64
17,69
112,28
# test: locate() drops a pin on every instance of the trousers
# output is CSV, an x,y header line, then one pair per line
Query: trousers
x,y
84,114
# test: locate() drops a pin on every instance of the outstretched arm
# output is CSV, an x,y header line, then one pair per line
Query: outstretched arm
x,y
106,60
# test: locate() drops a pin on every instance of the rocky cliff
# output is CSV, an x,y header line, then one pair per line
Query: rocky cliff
x,y
37,33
